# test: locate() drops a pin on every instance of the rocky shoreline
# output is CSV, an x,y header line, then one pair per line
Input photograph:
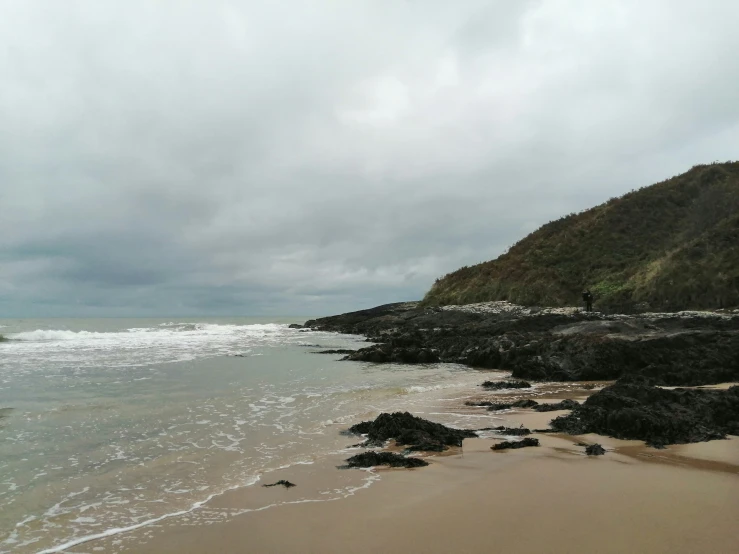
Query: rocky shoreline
x,y
643,353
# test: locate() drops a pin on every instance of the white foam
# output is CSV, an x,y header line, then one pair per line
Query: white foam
x,y
429,388
342,493
56,334
118,530
151,333
139,346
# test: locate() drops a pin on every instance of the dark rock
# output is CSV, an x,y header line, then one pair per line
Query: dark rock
x,y
334,351
420,440
295,326
595,450
427,446
364,321
684,358
497,385
505,445
527,403
515,431
502,405
396,354
677,350
415,432
628,410
374,443
286,484
564,405
492,406
371,459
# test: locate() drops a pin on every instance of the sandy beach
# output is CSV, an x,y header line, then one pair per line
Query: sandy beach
x,y
554,499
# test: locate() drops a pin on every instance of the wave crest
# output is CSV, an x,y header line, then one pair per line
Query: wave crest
x,y
56,334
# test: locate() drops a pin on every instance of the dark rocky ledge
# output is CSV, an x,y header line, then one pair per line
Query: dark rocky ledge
x,y
372,459
629,410
414,432
499,385
492,406
564,405
642,352
509,445
511,431
687,348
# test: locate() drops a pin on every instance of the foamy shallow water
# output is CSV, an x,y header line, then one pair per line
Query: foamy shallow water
x,y
108,425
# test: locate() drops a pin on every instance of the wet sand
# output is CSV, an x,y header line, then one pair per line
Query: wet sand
x,y
554,499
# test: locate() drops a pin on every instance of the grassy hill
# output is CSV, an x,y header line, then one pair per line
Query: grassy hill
x,y
669,246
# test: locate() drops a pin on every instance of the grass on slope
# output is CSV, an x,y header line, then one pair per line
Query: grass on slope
x,y
672,245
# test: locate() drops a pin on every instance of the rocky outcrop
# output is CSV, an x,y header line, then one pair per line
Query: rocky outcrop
x,y
641,351
499,385
595,450
414,432
551,345
689,357
564,405
628,410
372,459
508,445
513,431
382,354
493,406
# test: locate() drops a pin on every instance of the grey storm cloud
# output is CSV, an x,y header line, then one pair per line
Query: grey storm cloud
x,y
307,157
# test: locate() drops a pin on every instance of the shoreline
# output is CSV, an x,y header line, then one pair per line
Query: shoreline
x,y
406,335
423,497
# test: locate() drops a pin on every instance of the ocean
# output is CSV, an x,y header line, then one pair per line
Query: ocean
x,y
108,425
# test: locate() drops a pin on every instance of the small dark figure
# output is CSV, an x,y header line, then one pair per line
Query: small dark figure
x,y
587,296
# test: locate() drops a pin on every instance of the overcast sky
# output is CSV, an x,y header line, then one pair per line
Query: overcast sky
x,y
178,157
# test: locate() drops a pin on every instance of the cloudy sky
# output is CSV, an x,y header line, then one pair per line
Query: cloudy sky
x,y
183,157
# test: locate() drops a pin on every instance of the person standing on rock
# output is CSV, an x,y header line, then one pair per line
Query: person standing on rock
x,y
587,296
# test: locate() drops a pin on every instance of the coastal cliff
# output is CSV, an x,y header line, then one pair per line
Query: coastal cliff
x,y
666,247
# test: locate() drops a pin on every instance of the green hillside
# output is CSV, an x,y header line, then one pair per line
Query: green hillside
x,y
669,246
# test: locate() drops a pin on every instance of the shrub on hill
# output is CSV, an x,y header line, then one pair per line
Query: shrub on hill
x,y
669,246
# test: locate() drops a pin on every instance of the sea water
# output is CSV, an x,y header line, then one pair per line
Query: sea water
x,y
113,424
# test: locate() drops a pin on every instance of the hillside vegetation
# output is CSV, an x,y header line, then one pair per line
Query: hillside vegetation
x,y
669,246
